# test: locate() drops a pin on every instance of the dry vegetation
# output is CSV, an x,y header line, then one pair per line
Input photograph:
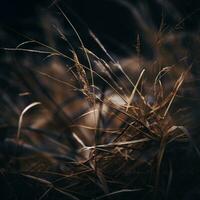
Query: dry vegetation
x,y
83,127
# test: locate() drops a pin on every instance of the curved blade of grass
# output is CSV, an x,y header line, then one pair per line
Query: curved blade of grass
x,y
117,192
22,115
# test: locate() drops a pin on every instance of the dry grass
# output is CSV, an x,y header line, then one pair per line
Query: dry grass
x,y
96,135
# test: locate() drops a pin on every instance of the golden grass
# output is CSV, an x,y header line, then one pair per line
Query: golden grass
x,y
90,141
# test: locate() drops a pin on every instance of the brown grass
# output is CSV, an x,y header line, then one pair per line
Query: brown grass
x,y
96,135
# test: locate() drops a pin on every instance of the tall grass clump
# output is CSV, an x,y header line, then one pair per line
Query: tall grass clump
x,y
75,125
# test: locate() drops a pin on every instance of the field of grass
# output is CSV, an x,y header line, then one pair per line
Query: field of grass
x,y
81,123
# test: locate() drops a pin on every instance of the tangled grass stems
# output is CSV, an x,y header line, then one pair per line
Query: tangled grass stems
x,y
100,143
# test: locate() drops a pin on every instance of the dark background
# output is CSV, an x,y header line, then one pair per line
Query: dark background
x,y
111,20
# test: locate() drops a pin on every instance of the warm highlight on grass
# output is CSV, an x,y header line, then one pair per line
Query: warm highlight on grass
x,y
84,127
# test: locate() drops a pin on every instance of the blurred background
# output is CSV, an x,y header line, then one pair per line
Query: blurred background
x,y
115,22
